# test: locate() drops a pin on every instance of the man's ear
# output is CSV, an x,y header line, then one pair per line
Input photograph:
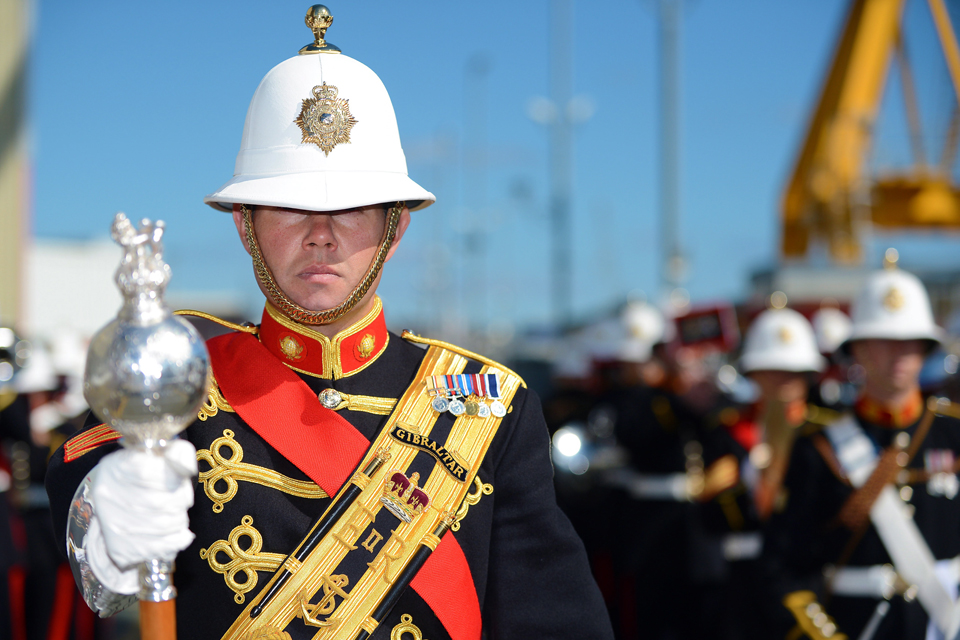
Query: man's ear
x,y
402,225
238,220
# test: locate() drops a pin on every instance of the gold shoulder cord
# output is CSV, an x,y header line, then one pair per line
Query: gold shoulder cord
x,y
212,318
294,311
412,337
943,407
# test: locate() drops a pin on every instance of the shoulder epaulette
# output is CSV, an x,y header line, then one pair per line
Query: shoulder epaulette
x,y
86,441
810,616
412,337
215,401
246,327
7,396
820,416
943,407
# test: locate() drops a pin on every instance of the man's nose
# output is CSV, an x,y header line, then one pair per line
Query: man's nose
x,y
319,231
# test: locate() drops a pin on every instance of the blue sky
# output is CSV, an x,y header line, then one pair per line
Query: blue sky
x,y
140,108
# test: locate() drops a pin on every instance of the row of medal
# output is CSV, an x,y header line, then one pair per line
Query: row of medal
x,y
473,388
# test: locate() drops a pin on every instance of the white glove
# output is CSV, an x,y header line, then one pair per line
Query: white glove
x,y
140,502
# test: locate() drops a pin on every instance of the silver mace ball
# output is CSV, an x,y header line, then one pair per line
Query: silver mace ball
x,y
146,372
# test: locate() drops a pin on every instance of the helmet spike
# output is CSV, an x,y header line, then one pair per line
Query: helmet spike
x,y
319,20
890,258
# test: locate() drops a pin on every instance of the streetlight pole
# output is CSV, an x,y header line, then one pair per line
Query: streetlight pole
x,y
561,158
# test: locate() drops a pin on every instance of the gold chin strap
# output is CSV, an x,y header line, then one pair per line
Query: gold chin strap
x,y
304,316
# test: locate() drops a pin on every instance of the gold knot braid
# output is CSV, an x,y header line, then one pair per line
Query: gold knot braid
x,y
304,316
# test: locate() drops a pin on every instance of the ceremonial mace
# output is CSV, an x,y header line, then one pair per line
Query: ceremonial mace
x,y
146,377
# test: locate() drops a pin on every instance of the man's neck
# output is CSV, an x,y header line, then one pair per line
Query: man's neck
x,y
891,398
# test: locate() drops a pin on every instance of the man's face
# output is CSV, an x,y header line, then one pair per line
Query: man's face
x,y
782,386
318,258
892,366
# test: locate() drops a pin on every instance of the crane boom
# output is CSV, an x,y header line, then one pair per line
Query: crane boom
x,y
829,197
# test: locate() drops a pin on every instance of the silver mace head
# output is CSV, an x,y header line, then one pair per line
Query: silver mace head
x,y
146,374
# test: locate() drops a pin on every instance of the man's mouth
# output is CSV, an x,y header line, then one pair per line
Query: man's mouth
x,y
318,273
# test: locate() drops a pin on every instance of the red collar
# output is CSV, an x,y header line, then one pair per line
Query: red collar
x,y
308,351
878,413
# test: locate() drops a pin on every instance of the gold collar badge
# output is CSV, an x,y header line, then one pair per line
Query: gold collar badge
x,y
366,346
291,348
325,119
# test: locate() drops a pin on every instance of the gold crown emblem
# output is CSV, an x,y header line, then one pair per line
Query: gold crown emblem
x,y
785,335
291,348
325,120
403,497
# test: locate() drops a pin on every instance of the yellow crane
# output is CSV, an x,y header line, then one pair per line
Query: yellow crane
x,y
830,198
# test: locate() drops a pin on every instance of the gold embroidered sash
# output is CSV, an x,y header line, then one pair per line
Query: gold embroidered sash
x,y
319,595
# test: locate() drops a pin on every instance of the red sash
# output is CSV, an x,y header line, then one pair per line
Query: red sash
x,y
282,409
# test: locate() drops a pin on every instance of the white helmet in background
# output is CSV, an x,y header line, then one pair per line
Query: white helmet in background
x,y
781,340
893,305
831,327
602,340
571,361
38,374
643,327
320,135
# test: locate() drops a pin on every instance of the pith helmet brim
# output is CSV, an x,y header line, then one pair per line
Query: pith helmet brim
x,y
933,336
320,191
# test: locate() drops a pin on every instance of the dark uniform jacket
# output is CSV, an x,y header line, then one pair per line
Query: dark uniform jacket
x,y
809,533
527,565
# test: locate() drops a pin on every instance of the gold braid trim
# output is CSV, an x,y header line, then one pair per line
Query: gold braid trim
x,y
412,337
237,560
215,401
229,470
366,404
294,311
246,328
481,489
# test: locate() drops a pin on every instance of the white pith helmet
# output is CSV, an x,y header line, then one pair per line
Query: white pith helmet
x,y
781,340
320,135
831,327
38,374
644,326
602,340
893,305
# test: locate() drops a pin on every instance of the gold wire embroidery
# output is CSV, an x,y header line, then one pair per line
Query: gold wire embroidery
x,y
332,587
406,627
215,401
481,489
267,633
231,469
239,560
325,120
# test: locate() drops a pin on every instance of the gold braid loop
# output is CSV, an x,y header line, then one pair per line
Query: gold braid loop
x,y
304,316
